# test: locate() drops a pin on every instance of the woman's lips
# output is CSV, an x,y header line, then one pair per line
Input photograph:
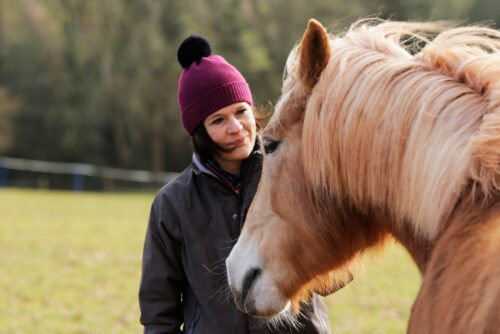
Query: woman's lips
x,y
236,144
240,142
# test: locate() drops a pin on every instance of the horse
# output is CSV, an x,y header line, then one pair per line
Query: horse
x,y
389,130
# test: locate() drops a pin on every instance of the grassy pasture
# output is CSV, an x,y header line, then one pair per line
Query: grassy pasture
x,y
70,263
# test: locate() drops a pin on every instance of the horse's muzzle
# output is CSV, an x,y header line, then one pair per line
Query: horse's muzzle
x,y
240,299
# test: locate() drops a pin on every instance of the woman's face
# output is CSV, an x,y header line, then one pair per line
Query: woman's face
x,y
232,127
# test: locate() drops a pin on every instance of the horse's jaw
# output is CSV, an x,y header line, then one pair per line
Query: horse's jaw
x,y
253,288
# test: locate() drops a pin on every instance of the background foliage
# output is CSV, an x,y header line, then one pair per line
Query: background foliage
x,y
95,81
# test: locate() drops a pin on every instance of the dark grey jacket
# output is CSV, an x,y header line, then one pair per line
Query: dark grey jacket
x,y
195,220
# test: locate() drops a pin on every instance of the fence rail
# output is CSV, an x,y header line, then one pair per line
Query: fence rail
x,y
79,171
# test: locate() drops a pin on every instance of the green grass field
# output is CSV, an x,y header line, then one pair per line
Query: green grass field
x,y
70,263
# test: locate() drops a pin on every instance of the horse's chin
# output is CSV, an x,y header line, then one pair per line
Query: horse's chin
x,y
266,309
268,313
275,315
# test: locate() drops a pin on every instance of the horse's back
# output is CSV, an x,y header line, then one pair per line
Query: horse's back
x,y
460,291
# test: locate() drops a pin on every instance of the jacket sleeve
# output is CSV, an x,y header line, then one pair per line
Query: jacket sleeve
x,y
162,281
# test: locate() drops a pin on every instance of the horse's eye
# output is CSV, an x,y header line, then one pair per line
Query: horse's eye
x,y
270,145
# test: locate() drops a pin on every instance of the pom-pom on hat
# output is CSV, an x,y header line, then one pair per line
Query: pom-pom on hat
x,y
207,83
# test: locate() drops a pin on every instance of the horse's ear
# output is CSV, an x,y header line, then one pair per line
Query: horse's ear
x,y
314,53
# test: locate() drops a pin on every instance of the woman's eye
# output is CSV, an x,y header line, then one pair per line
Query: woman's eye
x,y
270,145
217,121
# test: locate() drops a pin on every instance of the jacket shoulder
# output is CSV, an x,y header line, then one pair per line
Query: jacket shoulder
x,y
165,207
176,189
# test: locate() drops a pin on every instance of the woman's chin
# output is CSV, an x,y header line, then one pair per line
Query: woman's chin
x,y
238,153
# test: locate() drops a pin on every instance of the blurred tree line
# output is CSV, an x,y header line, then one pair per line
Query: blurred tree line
x,y
96,81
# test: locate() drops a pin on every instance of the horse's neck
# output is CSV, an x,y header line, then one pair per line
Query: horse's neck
x,y
466,218
419,248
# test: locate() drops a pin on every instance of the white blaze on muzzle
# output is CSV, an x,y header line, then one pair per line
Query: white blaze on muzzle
x,y
253,288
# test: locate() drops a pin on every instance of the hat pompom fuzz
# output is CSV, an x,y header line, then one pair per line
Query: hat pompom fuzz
x,y
192,49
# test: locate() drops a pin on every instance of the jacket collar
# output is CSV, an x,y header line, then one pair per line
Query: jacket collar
x,y
199,167
214,170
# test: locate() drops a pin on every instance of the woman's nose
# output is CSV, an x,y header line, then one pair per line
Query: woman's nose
x,y
234,125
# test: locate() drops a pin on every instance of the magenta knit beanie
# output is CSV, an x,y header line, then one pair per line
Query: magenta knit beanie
x,y
207,83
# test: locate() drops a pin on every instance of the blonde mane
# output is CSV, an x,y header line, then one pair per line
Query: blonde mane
x,y
410,133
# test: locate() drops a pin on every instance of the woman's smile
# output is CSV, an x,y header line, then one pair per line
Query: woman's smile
x,y
237,143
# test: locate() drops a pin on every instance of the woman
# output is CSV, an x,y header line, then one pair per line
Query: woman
x,y
197,217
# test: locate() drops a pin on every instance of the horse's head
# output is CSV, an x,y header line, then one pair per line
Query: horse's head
x,y
285,249
367,139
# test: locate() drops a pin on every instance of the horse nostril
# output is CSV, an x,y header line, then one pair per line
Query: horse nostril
x,y
249,279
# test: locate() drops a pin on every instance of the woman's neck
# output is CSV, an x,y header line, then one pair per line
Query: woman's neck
x,y
230,166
